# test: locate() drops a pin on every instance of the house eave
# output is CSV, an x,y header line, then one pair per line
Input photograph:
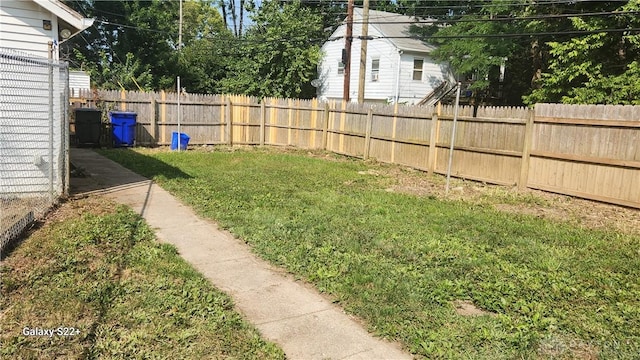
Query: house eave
x,y
65,13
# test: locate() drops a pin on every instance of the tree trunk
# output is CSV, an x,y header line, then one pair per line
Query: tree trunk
x,y
536,59
234,16
223,7
241,16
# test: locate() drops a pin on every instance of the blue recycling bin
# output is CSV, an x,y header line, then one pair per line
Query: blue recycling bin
x,y
123,128
184,141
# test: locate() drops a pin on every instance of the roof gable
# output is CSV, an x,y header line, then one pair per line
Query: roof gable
x,y
395,28
65,13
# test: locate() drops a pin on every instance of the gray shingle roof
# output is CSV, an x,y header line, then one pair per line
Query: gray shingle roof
x,y
393,26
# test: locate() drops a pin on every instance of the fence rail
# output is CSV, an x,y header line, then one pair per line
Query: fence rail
x,y
586,151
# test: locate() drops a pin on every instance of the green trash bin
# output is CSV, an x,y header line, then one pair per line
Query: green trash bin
x,y
88,126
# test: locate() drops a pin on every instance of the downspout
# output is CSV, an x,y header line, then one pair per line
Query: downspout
x,y
398,76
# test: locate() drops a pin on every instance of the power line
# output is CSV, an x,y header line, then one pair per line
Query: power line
x,y
512,35
468,36
488,3
502,19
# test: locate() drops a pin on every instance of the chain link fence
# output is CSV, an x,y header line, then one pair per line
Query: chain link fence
x,y
33,139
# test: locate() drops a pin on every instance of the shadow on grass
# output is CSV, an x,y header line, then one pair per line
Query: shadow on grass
x,y
152,168
106,170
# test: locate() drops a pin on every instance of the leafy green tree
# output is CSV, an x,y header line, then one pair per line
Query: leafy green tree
x,y
205,56
121,75
469,37
278,56
599,68
536,50
145,29
147,32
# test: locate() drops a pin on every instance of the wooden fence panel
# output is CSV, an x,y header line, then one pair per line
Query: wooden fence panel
x,y
353,129
306,124
585,151
199,118
411,136
382,135
485,149
591,151
278,121
245,115
335,120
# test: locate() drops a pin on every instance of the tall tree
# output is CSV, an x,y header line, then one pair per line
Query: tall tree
x,y
204,59
145,29
597,68
235,9
279,54
477,36
146,32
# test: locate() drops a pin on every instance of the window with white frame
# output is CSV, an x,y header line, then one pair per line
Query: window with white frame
x,y
417,69
375,69
340,68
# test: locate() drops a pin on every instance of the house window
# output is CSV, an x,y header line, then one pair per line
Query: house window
x,y
417,69
375,69
340,68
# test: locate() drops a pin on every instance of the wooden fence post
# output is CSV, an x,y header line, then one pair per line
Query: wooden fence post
x,y
163,116
526,151
290,119
229,122
314,123
123,96
343,119
325,125
393,133
433,143
367,135
263,120
154,122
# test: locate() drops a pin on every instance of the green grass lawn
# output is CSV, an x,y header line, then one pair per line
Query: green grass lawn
x,y
96,267
400,261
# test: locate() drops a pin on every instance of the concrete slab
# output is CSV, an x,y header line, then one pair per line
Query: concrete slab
x,y
290,313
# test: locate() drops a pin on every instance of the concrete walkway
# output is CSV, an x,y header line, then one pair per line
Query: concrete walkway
x,y
287,312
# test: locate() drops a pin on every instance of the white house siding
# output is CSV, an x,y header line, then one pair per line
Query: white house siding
x,y
331,81
382,49
433,74
78,81
21,27
32,123
390,83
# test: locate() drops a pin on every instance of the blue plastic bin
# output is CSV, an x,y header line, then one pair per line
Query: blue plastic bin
x,y
123,128
184,141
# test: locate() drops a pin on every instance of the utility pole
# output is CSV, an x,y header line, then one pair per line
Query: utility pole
x,y
363,50
347,48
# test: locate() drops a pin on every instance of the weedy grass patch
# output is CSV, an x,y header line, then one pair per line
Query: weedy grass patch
x,y
96,267
400,262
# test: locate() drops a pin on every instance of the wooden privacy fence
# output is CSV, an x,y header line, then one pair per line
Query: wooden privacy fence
x,y
589,151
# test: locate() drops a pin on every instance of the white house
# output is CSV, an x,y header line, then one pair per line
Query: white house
x,y
398,69
29,26
34,97
79,82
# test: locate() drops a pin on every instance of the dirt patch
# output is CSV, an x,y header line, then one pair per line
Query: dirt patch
x,y
96,205
579,212
558,347
467,308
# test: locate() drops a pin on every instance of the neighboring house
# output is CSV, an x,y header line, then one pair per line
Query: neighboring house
x,y
35,27
398,69
79,83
